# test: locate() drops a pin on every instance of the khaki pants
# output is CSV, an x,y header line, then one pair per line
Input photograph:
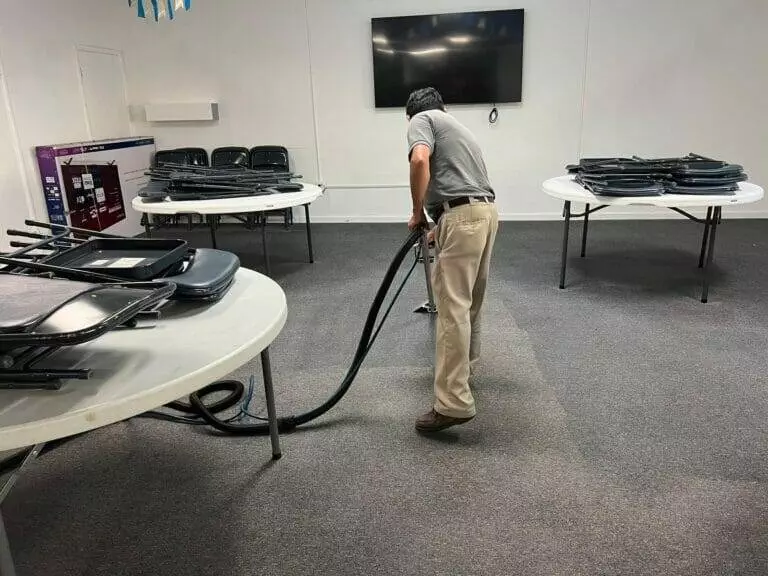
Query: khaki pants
x,y
465,237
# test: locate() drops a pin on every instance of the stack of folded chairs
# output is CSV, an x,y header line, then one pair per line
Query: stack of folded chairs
x,y
183,182
61,290
692,174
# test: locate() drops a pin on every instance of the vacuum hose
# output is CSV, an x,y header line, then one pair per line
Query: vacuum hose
x,y
207,413
200,413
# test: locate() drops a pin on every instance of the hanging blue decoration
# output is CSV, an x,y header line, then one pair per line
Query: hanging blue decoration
x,y
160,8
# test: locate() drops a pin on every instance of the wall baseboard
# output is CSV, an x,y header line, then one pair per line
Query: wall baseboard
x,y
538,217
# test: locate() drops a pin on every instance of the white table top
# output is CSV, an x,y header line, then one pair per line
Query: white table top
x,y
243,205
139,370
565,188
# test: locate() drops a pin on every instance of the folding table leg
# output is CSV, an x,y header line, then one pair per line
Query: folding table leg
x,y
6,559
309,234
269,392
264,243
212,224
707,224
584,232
566,230
710,254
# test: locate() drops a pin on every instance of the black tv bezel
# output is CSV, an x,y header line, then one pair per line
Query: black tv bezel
x,y
449,101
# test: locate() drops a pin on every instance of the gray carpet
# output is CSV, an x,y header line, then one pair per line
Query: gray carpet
x,y
622,428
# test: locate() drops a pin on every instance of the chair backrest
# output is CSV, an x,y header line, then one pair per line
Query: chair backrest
x,y
270,158
230,156
185,156
195,156
169,157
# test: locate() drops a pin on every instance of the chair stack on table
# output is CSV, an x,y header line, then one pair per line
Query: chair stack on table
x,y
692,174
270,162
181,182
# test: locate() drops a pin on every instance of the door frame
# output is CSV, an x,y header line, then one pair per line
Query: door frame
x,y
87,48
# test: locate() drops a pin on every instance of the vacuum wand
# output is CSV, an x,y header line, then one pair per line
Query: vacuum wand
x,y
428,271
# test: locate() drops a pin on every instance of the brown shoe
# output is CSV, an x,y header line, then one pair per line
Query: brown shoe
x,y
433,421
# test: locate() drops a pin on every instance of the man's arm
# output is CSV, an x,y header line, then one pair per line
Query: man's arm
x,y
419,183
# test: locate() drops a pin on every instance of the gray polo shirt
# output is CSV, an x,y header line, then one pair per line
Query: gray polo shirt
x,y
456,162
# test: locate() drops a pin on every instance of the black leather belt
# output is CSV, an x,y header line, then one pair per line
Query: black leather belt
x,y
456,202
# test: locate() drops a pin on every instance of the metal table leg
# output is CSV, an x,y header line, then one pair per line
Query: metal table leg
x,y
269,392
710,253
147,226
309,234
212,223
264,244
566,230
707,224
584,232
6,559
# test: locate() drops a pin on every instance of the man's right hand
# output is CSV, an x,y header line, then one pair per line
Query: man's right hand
x,y
417,220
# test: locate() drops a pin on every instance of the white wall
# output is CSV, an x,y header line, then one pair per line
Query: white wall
x,y
362,147
44,103
600,76
15,203
299,73
251,56
667,78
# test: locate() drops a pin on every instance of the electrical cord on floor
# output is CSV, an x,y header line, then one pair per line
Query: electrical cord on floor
x,y
236,391
371,329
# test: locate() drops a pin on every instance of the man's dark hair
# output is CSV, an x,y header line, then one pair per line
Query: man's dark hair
x,y
422,100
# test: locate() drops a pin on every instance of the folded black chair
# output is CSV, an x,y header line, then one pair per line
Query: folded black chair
x,y
201,274
40,315
163,157
270,158
273,159
195,156
207,275
230,156
180,156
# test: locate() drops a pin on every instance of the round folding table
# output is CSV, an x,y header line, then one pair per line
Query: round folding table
x,y
567,189
214,208
138,370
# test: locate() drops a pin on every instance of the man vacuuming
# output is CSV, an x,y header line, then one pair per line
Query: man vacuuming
x,y
449,180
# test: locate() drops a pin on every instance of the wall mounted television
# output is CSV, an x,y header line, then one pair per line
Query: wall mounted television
x,y
471,57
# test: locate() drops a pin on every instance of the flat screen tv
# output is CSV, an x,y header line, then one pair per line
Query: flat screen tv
x,y
471,58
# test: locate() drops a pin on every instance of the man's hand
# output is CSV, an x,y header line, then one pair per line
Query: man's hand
x,y
419,183
431,236
417,220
